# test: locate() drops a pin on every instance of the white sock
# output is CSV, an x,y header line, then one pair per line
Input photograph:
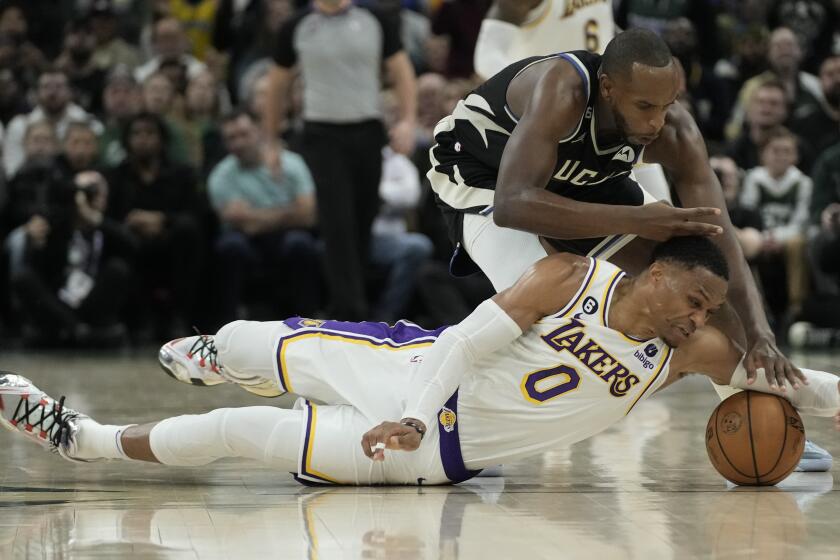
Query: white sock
x,y
98,441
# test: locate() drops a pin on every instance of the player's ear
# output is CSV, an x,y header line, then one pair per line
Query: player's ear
x,y
606,85
655,272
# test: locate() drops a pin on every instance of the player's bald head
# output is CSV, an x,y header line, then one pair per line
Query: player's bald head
x,y
636,46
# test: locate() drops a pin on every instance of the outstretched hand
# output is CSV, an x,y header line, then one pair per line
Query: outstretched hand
x,y
660,221
392,435
764,353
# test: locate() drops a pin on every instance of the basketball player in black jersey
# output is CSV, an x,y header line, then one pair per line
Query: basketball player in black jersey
x,y
537,159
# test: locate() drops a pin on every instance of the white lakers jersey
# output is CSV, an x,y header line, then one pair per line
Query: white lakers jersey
x,y
567,378
565,25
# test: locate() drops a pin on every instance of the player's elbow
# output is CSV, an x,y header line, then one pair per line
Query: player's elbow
x,y
506,211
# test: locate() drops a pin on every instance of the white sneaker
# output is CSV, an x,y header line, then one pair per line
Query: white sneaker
x,y
192,360
814,458
27,410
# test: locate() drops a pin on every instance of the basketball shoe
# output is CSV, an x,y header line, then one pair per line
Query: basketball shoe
x,y
814,458
194,360
25,409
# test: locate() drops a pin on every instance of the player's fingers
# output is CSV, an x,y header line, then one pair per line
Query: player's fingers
x,y
762,362
699,212
794,375
749,366
698,228
781,379
368,442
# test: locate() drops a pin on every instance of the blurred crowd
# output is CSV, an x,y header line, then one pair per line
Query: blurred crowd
x,y
154,180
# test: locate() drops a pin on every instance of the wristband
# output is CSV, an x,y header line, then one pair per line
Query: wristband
x,y
416,425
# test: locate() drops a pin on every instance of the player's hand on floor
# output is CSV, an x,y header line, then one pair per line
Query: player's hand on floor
x,y
660,221
764,353
393,435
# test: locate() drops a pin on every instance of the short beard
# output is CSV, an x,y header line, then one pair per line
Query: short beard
x,y
620,124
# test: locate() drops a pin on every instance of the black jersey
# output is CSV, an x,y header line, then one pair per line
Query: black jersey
x,y
470,143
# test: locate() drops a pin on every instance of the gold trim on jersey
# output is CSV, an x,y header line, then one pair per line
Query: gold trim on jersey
x,y
666,357
608,293
582,290
295,337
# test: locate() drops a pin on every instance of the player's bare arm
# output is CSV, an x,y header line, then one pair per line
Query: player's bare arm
x,y
551,104
543,290
499,31
680,149
512,11
713,354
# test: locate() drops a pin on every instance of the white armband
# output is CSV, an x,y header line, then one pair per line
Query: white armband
x,y
821,397
484,331
491,48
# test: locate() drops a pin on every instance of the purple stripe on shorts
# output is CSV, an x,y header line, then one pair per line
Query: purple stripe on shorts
x,y
399,333
450,445
305,450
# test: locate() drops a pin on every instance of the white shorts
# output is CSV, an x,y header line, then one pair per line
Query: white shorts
x,y
504,254
360,372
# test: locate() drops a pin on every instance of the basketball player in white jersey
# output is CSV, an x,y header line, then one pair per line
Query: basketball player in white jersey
x,y
516,29
575,343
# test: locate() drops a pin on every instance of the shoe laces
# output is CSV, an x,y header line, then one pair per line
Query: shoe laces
x,y
50,418
205,350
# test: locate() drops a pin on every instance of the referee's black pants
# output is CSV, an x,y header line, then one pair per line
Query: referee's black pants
x,y
346,164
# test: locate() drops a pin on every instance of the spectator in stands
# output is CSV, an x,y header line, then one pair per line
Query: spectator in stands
x,y
813,21
266,213
343,134
459,23
398,252
122,99
707,93
782,194
111,49
196,17
54,106
819,120
767,110
36,204
784,57
159,98
747,221
200,124
17,52
76,60
157,200
430,91
169,43
820,320
13,102
27,210
656,16
71,288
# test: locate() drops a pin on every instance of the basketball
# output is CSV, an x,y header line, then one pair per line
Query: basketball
x,y
755,439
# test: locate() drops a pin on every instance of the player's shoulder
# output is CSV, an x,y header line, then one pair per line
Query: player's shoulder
x,y
680,124
562,270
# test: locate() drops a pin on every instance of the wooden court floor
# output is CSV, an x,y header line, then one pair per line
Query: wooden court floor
x,y
644,489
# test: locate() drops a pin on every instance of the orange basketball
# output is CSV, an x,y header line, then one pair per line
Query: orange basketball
x,y
755,439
